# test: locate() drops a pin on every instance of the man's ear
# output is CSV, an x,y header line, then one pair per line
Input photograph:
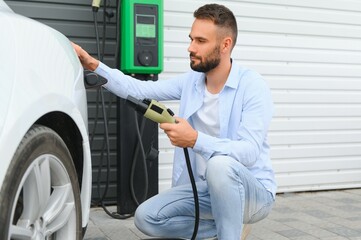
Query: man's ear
x,y
226,44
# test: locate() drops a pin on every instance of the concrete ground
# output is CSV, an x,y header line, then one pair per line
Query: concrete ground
x,y
331,215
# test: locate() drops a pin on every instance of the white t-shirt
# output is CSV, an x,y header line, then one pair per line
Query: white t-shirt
x,y
206,120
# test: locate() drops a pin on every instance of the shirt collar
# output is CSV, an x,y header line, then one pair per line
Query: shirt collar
x,y
200,82
232,80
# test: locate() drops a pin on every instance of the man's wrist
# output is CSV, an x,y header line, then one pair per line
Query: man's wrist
x,y
194,139
93,64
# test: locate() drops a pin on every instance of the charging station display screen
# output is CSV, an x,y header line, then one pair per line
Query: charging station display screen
x,y
145,26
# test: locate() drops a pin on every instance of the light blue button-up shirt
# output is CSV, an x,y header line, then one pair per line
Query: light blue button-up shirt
x,y
245,113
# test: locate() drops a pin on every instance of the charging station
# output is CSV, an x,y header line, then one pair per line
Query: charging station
x,y
141,56
141,36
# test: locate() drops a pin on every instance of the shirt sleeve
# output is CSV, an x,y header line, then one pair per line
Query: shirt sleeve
x,y
123,85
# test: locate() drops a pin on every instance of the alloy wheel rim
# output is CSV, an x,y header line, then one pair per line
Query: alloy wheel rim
x,y
47,201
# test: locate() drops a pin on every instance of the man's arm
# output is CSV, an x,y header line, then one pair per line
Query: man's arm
x,y
86,60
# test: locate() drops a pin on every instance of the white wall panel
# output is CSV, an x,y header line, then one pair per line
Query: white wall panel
x,y
309,53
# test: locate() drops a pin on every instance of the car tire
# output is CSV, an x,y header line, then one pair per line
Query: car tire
x,y
40,196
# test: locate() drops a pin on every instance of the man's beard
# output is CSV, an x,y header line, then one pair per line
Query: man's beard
x,y
211,61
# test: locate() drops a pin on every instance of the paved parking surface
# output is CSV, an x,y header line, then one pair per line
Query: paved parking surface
x,y
328,215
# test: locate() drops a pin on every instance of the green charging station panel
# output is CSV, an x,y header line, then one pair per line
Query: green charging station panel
x,y
141,36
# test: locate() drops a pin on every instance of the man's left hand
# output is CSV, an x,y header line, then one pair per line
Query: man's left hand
x,y
180,134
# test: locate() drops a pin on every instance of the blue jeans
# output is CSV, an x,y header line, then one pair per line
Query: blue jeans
x,y
229,197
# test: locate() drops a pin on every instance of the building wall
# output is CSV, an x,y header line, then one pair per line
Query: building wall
x,y
309,53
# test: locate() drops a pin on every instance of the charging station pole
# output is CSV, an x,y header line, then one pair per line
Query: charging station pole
x,y
141,56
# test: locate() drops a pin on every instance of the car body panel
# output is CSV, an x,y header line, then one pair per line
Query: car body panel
x,y
40,74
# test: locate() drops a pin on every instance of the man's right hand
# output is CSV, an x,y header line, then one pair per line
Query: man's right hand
x,y
86,60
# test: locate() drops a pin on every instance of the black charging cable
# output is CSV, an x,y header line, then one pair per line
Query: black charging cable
x,y
195,193
139,148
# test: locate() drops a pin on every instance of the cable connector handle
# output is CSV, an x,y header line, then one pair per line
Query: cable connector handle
x,y
96,5
159,113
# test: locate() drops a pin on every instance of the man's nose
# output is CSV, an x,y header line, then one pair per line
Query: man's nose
x,y
191,48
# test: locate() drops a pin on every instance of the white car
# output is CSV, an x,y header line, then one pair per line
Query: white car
x,y
45,173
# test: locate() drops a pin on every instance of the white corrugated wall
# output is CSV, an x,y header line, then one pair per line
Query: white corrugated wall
x,y
310,54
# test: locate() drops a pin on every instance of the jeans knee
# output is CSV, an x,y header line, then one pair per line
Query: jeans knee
x,y
213,165
139,218
142,219
223,170
218,170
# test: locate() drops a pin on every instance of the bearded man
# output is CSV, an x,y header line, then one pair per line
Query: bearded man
x,y
225,113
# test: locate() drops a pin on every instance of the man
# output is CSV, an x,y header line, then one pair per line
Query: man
x,y
225,112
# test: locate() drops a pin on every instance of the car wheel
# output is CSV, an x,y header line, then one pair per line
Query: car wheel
x,y
40,196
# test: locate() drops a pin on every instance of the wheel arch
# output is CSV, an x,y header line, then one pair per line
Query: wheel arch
x,y
67,129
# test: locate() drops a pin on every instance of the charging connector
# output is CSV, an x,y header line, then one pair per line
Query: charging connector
x,y
96,5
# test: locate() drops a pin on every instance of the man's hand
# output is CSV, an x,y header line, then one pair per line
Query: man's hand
x,y
180,134
86,60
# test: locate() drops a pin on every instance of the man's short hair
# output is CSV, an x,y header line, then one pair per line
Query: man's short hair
x,y
221,16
